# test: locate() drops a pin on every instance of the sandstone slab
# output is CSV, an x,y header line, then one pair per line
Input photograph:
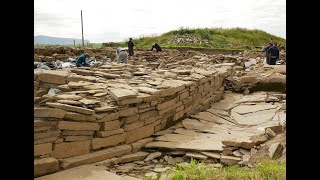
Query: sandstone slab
x,y
80,126
98,143
69,149
42,112
71,108
95,156
45,166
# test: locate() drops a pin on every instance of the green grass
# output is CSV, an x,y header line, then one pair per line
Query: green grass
x,y
266,170
217,38
150,178
234,38
192,171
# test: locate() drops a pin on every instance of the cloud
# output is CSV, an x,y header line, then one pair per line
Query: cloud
x,y
114,21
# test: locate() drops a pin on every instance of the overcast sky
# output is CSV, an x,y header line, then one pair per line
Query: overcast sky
x,y
111,21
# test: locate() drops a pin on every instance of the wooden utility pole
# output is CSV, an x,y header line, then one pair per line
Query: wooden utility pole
x,y
82,29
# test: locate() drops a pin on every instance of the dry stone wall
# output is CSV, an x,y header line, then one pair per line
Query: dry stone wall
x,y
93,114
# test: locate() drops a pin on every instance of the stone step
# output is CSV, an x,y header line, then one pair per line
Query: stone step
x,y
95,156
85,172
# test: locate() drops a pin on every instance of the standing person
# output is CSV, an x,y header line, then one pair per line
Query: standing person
x,y
266,49
81,61
274,54
157,47
130,47
122,55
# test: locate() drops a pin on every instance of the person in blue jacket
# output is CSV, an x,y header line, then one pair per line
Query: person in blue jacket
x,y
81,61
274,54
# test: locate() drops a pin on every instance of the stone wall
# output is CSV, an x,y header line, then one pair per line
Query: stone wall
x,y
99,113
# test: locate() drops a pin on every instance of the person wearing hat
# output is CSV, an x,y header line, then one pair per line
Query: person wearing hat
x,y
130,47
122,55
81,61
157,47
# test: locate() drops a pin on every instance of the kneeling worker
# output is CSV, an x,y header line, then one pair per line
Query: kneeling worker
x,y
81,61
122,55
157,47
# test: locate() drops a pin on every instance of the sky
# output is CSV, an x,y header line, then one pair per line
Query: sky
x,y
115,21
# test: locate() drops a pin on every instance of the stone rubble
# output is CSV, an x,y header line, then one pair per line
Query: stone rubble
x,y
119,116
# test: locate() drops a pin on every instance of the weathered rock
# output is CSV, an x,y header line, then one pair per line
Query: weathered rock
x,y
109,133
45,166
244,109
70,149
126,168
136,146
100,94
161,170
237,153
153,156
54,77
68,97
70,102
275,150
133,157
239,142
132,126
207,116
108,117
111,125
76,133
212,155
76,78
229,160
84,173
79,117
148,90
171,161
253,151
270,133
108,141
42,149
80,126
95,156
151,174
128,112
77,138
119,94
244,151
71,108
245,160
196,155
178,159
47,134
89,101
140,133
40,112
104,108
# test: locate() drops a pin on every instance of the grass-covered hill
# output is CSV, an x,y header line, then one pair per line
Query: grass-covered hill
x,y
234,38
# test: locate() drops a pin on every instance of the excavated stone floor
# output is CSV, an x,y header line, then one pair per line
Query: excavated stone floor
x,y
229,132
234,130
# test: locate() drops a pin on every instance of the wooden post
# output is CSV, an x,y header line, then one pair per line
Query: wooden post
x,y
82,29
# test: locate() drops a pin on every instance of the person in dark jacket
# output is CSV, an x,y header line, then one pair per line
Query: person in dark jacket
x,y
267,52
81,61
274,54
157,47
130,47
